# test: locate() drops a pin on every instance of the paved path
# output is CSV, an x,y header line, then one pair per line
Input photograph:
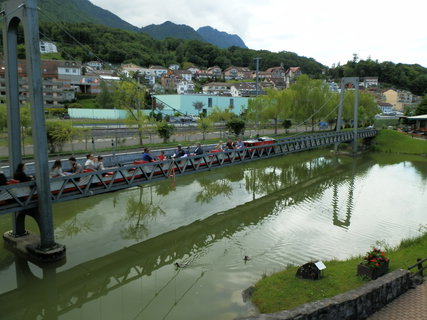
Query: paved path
x,y
412,305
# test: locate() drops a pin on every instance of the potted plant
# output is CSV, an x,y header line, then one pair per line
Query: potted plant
x,y
374,264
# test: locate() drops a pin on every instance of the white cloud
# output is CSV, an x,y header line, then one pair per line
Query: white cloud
x,y
329,31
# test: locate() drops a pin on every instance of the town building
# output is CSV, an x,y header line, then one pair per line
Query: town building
x,y
56,80
184,103
48,47
217,88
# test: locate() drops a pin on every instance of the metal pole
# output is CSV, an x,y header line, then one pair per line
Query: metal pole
x,y
32,49
256,92
340,107
355,112
10,42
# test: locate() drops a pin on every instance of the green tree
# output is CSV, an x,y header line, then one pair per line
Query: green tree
x,y
3,117
58,133
286,124
105,98
312,100
236,126
165,130
206,125
421,108
25,118
198,105
130,95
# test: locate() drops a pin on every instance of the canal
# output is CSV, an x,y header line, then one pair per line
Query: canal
x,y
122,247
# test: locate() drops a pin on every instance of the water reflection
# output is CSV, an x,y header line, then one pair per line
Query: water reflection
x,y
261,195
211,189
138,211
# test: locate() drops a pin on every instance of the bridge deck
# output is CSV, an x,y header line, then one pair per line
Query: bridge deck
x,y
23,196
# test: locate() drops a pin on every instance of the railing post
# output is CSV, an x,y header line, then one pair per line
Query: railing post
x,y
420,267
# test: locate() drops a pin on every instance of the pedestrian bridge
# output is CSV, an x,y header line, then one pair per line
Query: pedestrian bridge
x,y
23,196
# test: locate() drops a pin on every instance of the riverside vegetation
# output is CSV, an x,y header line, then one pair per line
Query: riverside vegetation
x,y
282,290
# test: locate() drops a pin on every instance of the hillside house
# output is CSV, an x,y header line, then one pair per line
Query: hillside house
x,y
214,72
291,74
48,47
385,107
56,81
185,87
237,73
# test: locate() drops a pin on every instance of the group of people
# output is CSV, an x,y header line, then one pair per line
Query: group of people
x,y
230,145
91,163
179,153
96,163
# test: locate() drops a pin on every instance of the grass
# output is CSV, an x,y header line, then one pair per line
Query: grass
x,y
283,290
391,141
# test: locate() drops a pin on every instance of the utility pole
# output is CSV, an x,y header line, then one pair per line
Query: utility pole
x,y
256,91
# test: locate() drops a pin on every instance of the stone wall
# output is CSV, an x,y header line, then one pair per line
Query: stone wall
x,y
355,304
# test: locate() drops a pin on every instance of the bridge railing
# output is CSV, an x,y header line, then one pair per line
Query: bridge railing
x,y
21,196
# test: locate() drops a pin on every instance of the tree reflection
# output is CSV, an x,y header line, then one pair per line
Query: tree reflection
x,y
73,227
211,189
138,212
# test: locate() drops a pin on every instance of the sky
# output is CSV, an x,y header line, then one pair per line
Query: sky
x,y
329,31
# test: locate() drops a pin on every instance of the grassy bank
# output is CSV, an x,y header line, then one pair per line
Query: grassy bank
x,y
283,290
392,141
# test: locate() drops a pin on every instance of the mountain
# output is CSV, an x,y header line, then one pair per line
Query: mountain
x,y
219,38
79,11
182,31
172,30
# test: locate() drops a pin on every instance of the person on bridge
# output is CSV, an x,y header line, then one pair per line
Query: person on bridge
x,y
240,144
229,145
56,170
179,152
75,166
20,174
90,162
198,150
161,156
99,165
146,156
3,179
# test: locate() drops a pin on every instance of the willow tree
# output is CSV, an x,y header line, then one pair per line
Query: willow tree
x,y
254,110
130,95
312,101
367,107
217,115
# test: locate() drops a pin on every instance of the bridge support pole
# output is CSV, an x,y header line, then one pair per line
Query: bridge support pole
x,y
25,12
354,81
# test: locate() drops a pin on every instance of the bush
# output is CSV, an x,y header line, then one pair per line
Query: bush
x,y
236,126
165,130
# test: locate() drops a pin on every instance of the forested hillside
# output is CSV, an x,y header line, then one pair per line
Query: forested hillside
x,y
412,77
118,46
75,11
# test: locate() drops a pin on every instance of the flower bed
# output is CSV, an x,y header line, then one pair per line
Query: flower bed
x,y
374,264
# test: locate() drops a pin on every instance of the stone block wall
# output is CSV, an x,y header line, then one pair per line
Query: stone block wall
x,y
352,305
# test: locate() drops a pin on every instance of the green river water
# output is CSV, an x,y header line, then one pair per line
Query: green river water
x,y
121,247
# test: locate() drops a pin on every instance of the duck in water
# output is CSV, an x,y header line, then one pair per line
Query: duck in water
x,y
180,265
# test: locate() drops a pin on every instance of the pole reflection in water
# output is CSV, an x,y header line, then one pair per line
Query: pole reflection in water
x,y
122,247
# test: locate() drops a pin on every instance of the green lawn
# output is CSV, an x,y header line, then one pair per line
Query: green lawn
x,y
392,141
283,290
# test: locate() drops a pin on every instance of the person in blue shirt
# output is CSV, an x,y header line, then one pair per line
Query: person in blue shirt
x,y
146,155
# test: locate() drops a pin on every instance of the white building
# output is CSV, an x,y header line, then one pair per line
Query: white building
x,y
48,47
184,87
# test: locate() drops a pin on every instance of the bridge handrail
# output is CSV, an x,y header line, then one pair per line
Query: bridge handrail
x,y
22,196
